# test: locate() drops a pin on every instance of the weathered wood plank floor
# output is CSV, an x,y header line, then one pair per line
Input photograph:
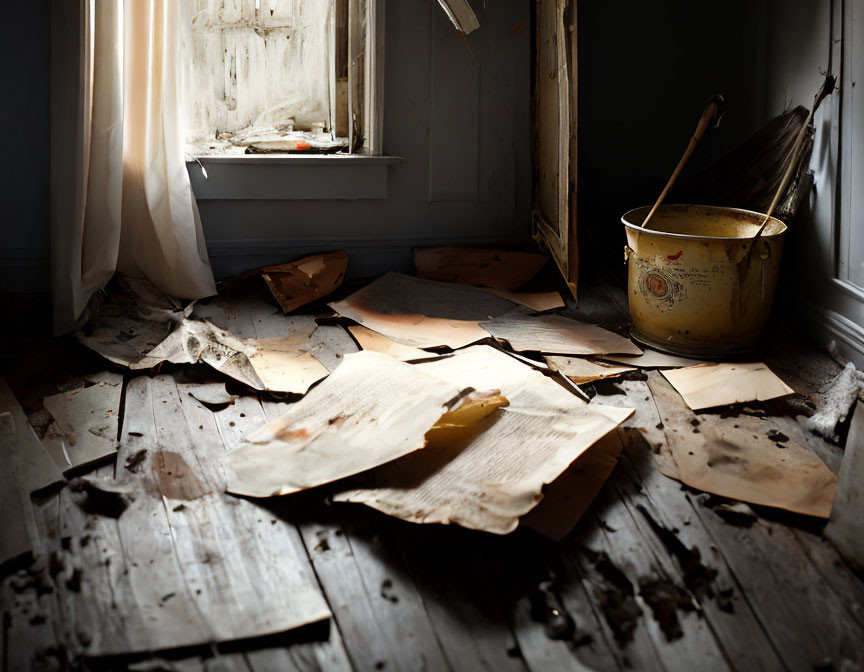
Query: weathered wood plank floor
x,y
651,579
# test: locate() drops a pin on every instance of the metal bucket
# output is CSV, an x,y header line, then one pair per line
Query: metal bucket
x,y
687,294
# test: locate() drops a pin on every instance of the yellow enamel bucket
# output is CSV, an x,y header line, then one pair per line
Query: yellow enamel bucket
x,y
690,293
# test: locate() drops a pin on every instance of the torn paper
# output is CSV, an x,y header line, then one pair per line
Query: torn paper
x,y
736,458
422,313
555,334
710,385
303,281
835,404
85,421
652,359
16,514
372,409
536,301
496,269
568,497
487,475
372,340
582,371
38,470
282,364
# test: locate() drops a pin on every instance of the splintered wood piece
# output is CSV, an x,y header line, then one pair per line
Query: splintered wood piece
x,y
582,371
538,301
487,475
370,410
710,385
38,470
184,564
495,269
372,340
305,280
555,334
86,421
846,528
569,496
16,513
652,359
422,313
735,458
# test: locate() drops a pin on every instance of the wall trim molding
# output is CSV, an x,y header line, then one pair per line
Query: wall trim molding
x,y
849,336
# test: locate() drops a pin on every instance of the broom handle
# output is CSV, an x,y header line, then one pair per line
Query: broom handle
x,y
797,148
709,118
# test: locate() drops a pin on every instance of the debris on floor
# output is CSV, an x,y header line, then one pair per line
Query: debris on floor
x,y
652,359
330,435
480,476
85,421
556,334
422,313
305,280
712,385
836,402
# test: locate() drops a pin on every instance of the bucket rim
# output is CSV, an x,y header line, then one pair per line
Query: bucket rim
x,y
691,236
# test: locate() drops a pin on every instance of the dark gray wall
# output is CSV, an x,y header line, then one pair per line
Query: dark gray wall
x,y
25,120
463,133
646,70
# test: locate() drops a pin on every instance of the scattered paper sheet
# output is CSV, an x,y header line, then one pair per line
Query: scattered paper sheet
x,y
557,335
153,334
487,475
506,271
16,513
568,497
85,421
372,340
422,313
538,301
710,385
652,359
303,281
38,470
372,409
735,458
582,371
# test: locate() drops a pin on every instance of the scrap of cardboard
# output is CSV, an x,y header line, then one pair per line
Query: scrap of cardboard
x,y
652,359
85,421
582,371
710,385
735,458
487,475
555,334
422,313
372,340
495,269
300,282
372,409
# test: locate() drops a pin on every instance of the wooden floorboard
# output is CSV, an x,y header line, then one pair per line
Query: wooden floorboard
x,y
409,597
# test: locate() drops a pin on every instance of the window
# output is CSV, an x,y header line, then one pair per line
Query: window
x,y
284,76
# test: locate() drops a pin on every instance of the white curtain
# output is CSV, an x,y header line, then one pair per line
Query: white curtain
x,y
121,197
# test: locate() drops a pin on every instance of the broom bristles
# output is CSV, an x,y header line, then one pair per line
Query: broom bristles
x,y
749,175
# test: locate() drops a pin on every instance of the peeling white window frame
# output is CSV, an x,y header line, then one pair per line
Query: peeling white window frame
x,y
365,90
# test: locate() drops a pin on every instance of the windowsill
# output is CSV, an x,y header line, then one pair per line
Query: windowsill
x,y
291,176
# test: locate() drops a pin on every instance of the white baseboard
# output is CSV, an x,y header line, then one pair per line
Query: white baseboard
x,y
827,325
